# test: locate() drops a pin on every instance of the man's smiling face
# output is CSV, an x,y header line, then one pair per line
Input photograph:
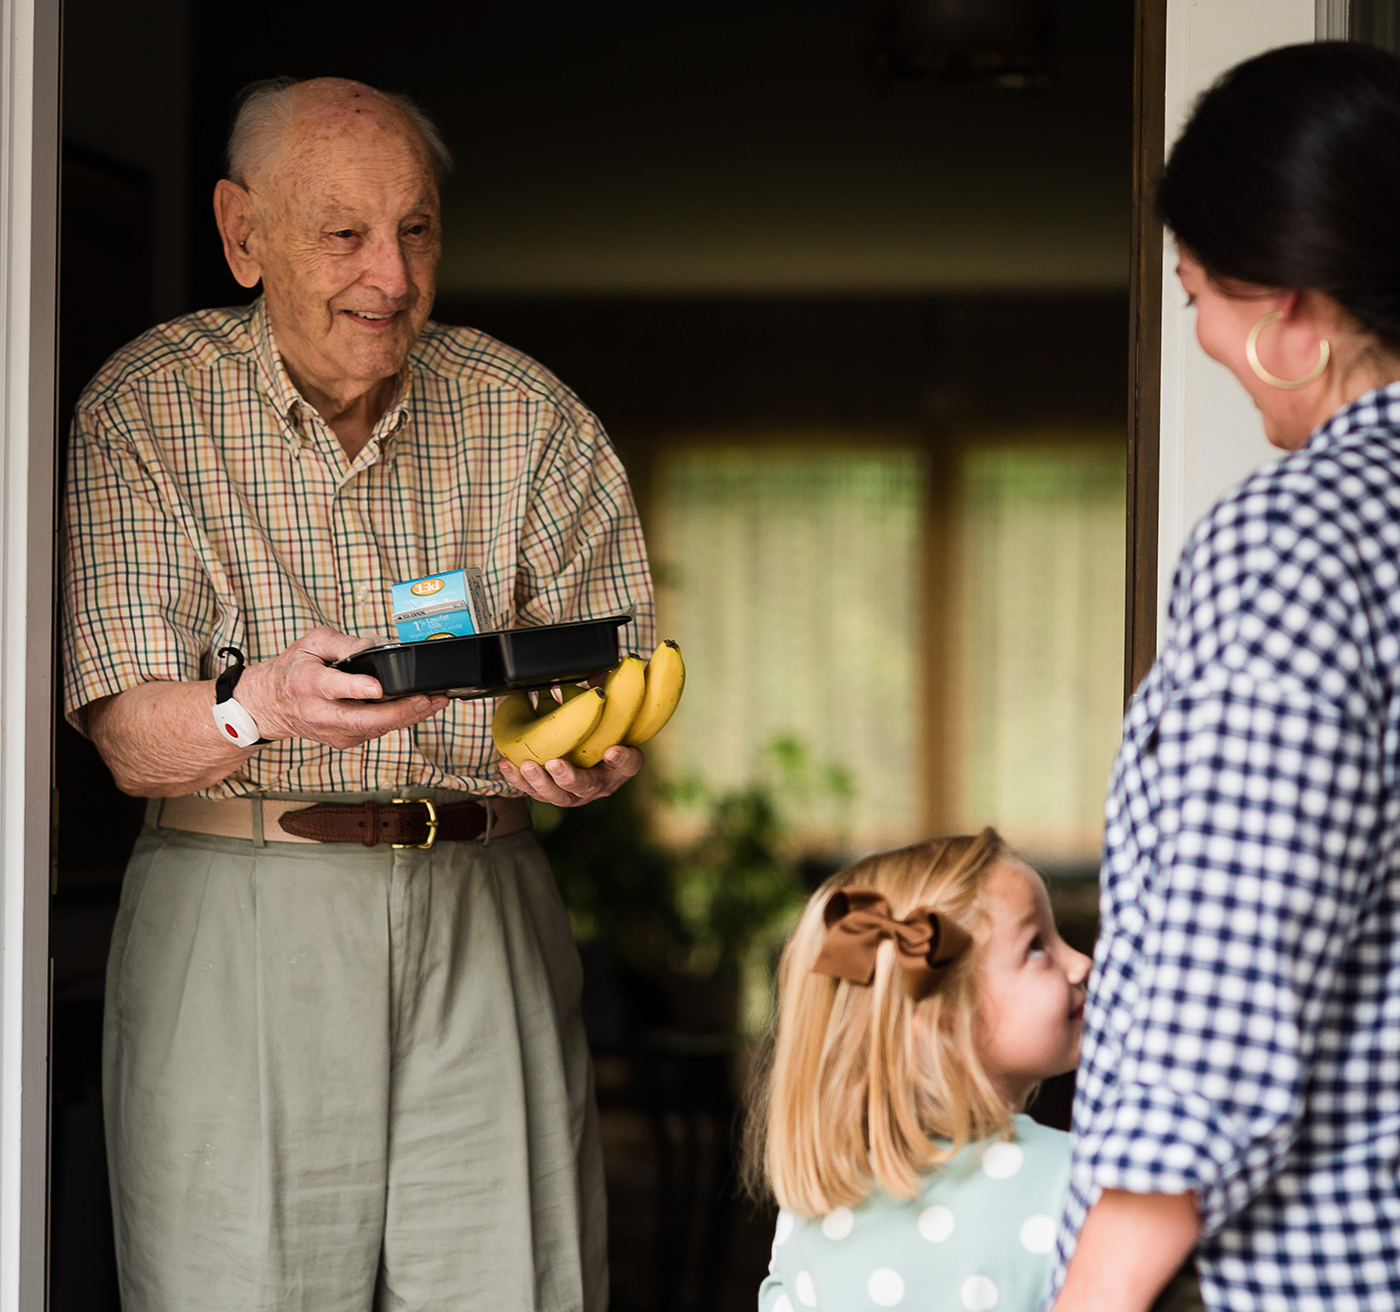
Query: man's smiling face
x,y
347,239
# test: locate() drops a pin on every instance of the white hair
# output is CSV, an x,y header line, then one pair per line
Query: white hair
x,y
267,110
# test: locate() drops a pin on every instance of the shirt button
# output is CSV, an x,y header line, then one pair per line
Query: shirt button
x,y
364,592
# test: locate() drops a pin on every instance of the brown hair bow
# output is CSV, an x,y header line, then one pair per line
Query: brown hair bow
x,y
857,919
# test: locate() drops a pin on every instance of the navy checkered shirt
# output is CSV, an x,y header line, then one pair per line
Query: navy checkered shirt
x,y
1242,1034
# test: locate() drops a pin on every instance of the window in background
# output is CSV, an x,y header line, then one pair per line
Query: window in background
x,y
792,580
1038,641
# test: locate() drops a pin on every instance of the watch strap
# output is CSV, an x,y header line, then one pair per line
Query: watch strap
x,y
229,714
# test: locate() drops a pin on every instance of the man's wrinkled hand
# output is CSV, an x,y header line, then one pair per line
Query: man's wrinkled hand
x,y
300,694
562,784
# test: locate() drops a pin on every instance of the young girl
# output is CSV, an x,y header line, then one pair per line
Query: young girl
x,y
923,995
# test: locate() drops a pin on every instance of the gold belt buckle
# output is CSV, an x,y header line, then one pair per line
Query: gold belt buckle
x,y
432,820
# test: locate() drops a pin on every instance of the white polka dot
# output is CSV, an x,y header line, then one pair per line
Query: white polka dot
x,y
1002,1160
936,1223
805,1289
784,1304
838,1223
885,1287
979,1294
1038,1234
785,1224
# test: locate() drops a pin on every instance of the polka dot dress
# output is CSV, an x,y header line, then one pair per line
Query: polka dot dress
x,y
978,1236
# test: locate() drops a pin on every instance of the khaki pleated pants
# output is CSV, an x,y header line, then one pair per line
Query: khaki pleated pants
x,y
342,1079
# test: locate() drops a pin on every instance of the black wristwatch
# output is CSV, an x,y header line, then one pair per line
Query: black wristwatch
x,y
230,714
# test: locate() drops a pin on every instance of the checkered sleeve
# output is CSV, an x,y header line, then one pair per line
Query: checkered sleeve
x,y
1270,795
135,598
582,551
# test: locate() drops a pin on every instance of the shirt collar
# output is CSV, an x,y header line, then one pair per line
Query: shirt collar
x,y
277,386
1378,408
396,416
288,402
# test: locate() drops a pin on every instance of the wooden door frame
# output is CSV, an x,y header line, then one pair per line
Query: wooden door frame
x,y
1145,340
1192,431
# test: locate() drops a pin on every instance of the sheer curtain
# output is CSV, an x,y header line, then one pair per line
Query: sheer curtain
x,y
793,573
791,578
1038,672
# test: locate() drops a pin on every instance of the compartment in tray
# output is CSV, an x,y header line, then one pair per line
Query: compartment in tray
x,y
559,652
440,665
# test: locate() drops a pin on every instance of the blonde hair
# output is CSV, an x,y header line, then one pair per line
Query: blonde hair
x,y
860,1079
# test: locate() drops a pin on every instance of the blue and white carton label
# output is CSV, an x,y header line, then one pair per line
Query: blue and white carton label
x,y
446,605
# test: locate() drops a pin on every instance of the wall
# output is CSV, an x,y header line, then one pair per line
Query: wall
x,y
1211,433
628,148
125,97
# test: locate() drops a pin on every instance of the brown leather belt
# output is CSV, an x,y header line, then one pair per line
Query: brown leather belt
x,y
402,822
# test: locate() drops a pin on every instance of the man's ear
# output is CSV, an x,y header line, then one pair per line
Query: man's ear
x,y
233,212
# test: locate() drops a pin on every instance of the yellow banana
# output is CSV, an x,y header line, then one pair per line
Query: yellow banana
x,y
623,692
665,680
522,733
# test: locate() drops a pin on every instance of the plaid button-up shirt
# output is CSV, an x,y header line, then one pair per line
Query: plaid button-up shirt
x,y
1242,1036
209,504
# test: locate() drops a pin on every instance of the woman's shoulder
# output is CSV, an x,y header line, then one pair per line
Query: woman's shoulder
x,y
1311,541
1335,487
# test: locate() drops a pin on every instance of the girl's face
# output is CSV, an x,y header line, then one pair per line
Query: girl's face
x,y
1031,985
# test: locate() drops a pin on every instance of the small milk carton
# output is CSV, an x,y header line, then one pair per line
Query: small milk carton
x,y
440,606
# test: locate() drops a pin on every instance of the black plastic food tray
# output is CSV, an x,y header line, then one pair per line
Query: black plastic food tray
x,y
488,664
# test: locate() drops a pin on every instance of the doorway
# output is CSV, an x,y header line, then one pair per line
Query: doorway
x,y
810,249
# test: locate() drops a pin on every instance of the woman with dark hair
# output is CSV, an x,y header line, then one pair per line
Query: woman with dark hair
x,y
1239,1085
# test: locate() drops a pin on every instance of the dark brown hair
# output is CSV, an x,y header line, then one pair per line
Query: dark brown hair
x,y
1288,175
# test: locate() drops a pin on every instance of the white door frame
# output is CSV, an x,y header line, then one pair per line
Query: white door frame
x,y
29,157
1333,19
1211,434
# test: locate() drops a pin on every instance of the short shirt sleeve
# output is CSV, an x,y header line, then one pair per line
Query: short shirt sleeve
x,y
137,604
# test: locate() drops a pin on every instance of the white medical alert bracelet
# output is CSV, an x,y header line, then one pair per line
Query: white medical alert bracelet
x,y
230,715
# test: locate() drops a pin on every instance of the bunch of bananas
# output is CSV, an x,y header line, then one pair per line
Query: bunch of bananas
x,y
634,703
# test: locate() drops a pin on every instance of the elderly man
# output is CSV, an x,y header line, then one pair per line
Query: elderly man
x,y
340,1074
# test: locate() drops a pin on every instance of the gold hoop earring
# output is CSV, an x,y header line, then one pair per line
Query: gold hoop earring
x,y
1251,351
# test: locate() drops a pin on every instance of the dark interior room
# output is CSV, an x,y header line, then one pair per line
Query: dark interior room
x,y
739,232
